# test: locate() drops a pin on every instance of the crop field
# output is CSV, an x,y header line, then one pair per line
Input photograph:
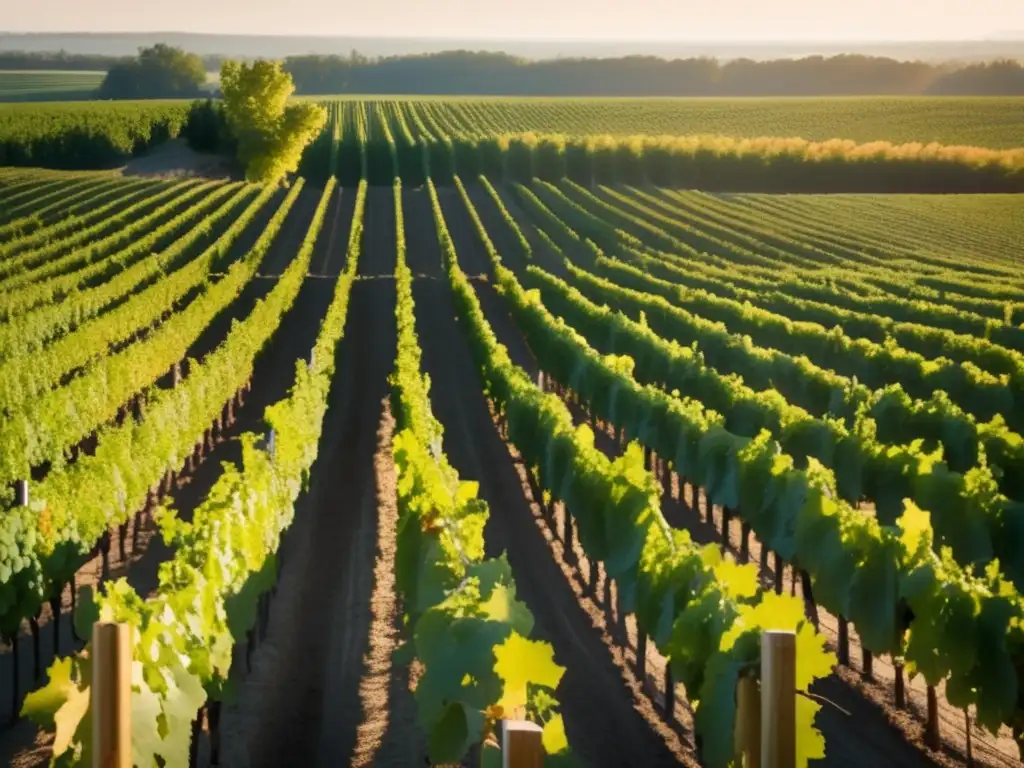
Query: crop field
x,y
48,85
573,437
992,122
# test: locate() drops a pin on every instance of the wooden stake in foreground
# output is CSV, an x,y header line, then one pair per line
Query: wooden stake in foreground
x,y
778,699
748,722
111,695
521,745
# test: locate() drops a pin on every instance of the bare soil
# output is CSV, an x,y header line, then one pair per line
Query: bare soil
x,y
176,159
324,690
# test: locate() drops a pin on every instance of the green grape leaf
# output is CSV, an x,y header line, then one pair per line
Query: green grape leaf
x,y
715,717
87,612
874,594
147,743
453,734
503,607
490,756
520,661
490,573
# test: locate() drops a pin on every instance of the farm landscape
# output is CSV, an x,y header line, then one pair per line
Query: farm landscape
x,y
535,407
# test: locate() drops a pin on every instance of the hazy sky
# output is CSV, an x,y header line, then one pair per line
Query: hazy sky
x,y
537,19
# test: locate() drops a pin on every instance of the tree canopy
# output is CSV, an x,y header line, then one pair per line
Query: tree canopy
x,y
160,72
271,133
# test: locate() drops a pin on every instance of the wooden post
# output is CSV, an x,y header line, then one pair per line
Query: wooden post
x,y
111,695
932,734
670,692
55,610
105,552
808,593
15,679
74,606
123,533
521,745
747,737
37,668
843,642
778,699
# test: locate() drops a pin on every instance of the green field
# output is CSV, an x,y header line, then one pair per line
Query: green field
x,y
993,122
48,85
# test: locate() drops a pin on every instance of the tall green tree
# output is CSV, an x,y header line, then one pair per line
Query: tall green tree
x,y
271,132
160,72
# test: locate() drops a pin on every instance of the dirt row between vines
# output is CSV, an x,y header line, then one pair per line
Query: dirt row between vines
x,y
607,721
323,690
870,698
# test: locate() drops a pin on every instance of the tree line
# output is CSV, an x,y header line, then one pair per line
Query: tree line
x,y
79,62
481,73
166,72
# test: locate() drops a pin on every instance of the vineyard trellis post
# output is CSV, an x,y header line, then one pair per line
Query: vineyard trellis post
x,y
521,744
778,699
111,695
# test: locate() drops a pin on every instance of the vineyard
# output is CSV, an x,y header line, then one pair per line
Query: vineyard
x,y
492,415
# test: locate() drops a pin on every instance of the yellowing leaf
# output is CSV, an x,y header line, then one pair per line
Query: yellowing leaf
x,y
554,738
68,718
739,581
519,661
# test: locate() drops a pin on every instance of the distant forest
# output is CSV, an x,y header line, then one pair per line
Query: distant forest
x,y
464,72
479,73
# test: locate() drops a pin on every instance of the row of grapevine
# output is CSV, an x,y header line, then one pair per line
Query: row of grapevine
x,y
468,629
43,428
670,583
718,162
37,194
60,256
27,332
970,514
86,135
820,390
864,571
830,279
860,252
987,303
877,365
30,374
90,203
183,645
